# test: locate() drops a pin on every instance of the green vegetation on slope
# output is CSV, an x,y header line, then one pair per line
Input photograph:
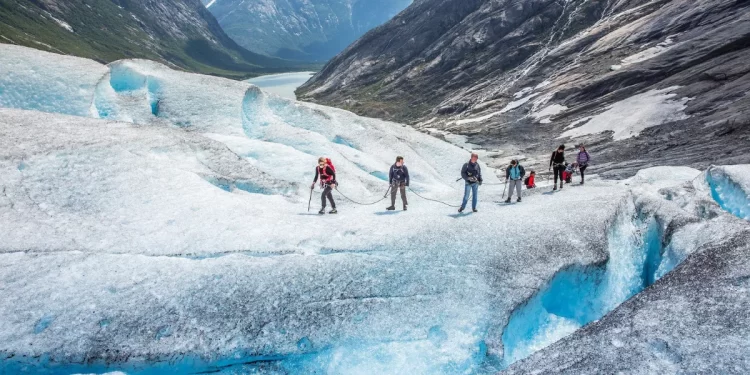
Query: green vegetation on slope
x,y
181,34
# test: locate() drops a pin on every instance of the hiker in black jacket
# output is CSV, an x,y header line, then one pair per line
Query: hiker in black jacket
x,y
472,175
399,178
557,165
327,174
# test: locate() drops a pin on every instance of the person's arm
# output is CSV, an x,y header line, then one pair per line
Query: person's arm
x,y
406,172
316,176
390,175
507,173
523,171
551,160
479,173
332,173
464,174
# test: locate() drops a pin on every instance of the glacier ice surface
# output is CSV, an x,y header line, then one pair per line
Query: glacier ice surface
x,y
155,221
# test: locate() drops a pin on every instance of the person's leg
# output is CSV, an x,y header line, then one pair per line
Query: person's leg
x,y
560,171
467,191
323,197
403,195
474,198
394,187
582,169
554,172
511,183
330,197
518,188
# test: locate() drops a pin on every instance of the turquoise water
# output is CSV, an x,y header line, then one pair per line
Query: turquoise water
x,y
282,84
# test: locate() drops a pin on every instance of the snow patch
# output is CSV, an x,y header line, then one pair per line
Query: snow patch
x,y
546,113
649,53
629,117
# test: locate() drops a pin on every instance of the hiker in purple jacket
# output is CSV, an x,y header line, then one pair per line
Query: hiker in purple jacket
x,y
583,160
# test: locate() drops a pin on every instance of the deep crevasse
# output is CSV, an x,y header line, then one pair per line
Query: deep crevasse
x,y
578,295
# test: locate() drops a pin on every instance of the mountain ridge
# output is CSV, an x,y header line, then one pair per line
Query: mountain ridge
x,y
182,34
306,30
516,77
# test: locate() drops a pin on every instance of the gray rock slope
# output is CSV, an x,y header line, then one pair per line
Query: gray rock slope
x,y
524,76
304,30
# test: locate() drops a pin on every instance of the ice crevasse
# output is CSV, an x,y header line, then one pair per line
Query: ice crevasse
x,y
156,221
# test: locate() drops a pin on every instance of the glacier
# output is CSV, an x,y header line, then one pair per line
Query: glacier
x,y
155,221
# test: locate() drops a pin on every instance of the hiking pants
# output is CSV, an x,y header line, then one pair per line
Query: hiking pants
x,y
582,169
397,185
558,170
470,189
517,184
327,194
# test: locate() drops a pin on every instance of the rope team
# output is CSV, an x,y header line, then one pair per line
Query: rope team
x,y
471,173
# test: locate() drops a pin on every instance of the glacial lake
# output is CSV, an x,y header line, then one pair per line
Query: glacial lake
x,y
282,84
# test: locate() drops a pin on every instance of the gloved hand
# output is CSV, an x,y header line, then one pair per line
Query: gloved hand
x,y
407,184
480,183
312,187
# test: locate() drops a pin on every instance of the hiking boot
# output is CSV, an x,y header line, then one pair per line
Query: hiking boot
x,y
391,208
554,187
561,185
518,200
333,211
507,200
404,208
581,182
460,210
474,210
322,211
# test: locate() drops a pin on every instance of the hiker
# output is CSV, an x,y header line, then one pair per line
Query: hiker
x,y
557,165
514,173
472,175
530,181
583,159
327,173
569,171
399,178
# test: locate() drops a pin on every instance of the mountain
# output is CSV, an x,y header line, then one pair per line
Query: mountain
x,y
179,33
307,30
641,82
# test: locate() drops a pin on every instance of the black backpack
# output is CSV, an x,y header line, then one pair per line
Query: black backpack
x,y
526,180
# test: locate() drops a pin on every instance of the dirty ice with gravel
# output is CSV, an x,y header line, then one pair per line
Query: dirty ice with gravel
x,y
155,221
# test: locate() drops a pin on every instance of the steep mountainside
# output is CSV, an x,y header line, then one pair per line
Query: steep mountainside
x,y
643,81
308,30
180,33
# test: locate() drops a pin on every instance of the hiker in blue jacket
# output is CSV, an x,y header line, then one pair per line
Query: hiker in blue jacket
x,y
514,175
399,178
472,175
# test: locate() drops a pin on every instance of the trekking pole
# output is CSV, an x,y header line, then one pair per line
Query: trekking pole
x,y
506,186
310,201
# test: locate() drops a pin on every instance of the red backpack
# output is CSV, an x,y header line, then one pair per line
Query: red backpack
x,y
324,177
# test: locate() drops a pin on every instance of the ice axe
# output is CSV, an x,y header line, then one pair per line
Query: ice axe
x,y
506,186
310,201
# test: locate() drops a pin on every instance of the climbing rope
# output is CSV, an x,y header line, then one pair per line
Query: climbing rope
x,y
364,204
432,200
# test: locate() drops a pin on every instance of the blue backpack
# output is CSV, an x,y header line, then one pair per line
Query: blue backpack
x,y
515,173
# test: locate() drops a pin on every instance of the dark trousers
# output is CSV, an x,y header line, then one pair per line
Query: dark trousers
x,y
398,186
327,194
558,170
582,169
